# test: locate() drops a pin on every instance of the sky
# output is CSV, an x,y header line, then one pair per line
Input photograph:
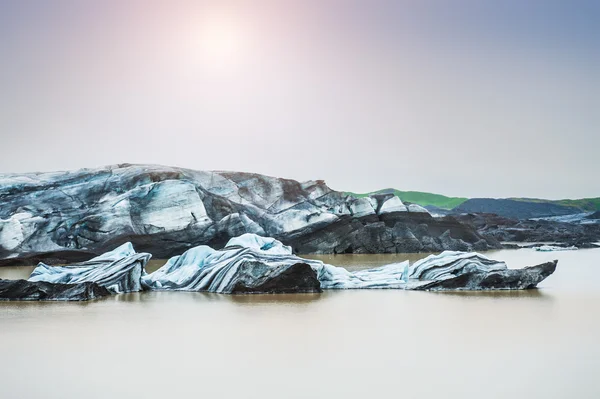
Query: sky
x,y
466,98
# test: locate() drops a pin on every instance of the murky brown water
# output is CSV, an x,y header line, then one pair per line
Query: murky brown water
x,y
345,344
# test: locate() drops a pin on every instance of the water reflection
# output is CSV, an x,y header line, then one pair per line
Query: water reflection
x,y
260,299
535,293
186,296
18,305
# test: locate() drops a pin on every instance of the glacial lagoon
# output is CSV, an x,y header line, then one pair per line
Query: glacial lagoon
x,y
336,344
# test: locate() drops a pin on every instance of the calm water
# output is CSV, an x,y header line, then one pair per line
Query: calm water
x,y
348,344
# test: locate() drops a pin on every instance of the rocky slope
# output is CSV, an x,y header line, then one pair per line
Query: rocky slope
x,y
23,290
71,216
594,216
502,229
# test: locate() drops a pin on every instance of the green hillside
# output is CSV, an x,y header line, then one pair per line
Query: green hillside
x,y
441,201
421,198
585,204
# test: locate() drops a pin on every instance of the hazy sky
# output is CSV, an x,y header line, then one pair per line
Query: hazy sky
x,y
473,98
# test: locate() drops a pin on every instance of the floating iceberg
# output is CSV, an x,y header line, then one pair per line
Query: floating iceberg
x,y
119,270
254,264
236,269
251,263
552,248
452,270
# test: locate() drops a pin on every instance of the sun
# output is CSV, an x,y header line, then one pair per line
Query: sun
x,y
221,39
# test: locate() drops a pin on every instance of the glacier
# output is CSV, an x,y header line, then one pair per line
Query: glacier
x,y
66,217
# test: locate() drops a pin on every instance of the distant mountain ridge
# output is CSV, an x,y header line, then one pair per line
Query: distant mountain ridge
x,y
585,204
514,209
519,208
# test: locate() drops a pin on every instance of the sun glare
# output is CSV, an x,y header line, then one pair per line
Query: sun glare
x,y
221,39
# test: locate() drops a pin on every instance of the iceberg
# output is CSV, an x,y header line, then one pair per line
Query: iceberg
x,y
251,264
254,264
552,248
452,270
119,270
246,265
452,263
